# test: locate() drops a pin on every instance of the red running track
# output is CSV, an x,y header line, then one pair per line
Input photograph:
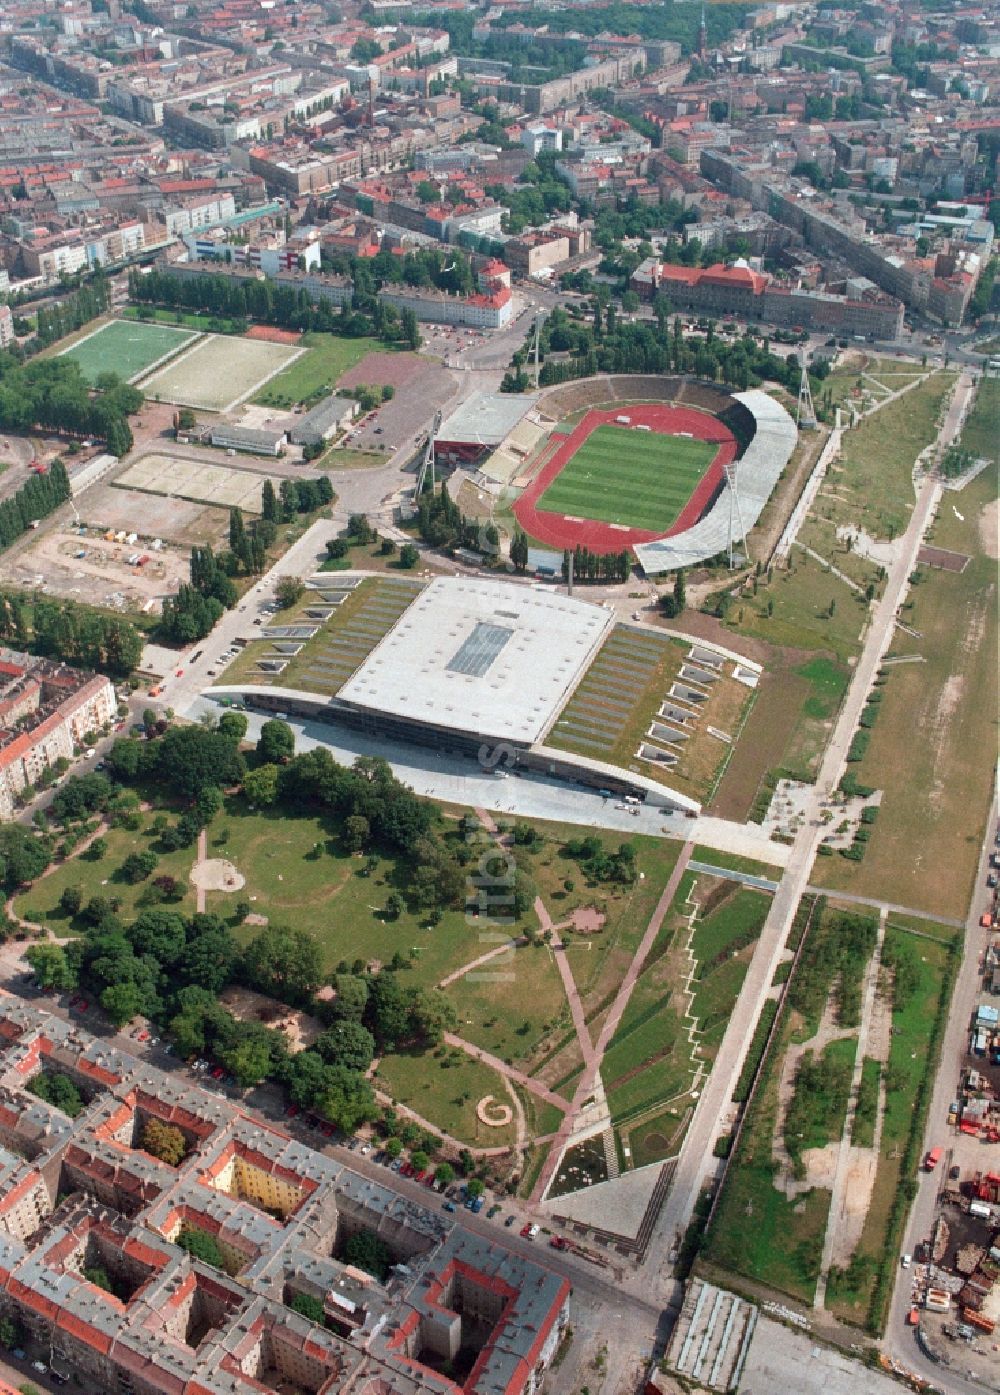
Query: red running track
x,y
557,530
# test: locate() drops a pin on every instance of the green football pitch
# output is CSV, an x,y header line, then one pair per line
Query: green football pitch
x,y
635,478
126,347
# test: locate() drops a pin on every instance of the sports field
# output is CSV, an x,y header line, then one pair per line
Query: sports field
x,y
633,478
127,348
219,372
190,478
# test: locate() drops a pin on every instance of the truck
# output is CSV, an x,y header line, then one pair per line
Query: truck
x,y
981,1209
932,1159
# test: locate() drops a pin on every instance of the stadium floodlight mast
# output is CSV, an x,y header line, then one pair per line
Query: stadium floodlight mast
x,y
428,461
805,412
736,527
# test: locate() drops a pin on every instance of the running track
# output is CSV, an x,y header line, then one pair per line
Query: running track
x,y
557,530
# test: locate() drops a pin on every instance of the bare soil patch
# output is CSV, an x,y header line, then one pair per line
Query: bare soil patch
x,y
989,529
941,557
300,1028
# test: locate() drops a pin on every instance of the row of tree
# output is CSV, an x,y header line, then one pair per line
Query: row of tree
x,y
597,566
62,317
39,496
52,394
609,345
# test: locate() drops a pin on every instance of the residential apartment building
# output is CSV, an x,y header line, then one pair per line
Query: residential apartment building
x,y
81,1194
46,711
493,311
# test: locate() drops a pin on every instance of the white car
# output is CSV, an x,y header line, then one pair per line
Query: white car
x,y
89,755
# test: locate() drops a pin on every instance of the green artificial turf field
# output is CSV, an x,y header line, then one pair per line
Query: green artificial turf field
x,y
126,347
637,479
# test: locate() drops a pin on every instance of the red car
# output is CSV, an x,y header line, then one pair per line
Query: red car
x,y
290,1112
81,1005
525,1231
326,1130
179,673
218,1073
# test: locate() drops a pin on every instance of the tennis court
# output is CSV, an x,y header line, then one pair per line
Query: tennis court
x,y
631,477
129,348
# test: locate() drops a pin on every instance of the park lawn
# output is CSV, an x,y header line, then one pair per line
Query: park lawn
x,y
40,903
924,929
820,534
908,1079
930,742
598,971
875,470
512,1015
662,1078
801,596
540,1117
316,373
302,877
640,480
981,432
444,1088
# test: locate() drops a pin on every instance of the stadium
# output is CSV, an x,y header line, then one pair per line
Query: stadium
x,y
673,469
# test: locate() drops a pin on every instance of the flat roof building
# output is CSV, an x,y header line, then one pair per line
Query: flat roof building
x,y
475,429
480,657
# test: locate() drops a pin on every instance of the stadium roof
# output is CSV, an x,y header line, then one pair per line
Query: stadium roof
x,y
757,472
482,657
486,418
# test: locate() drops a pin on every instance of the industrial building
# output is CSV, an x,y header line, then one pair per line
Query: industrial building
x,y
82,1199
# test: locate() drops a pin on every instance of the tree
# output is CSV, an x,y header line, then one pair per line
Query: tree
x,y
289,591
138,866
409,329
283,963
519,550
190,758
444,1173
347,1044
260,786
71,900
23,857
57,1089
420,1160
409,556
309,1307
393,1146
474,1187
233,726
269,503
122,1002
366,1251
164,1141
276,743
200,1245
356,833
10,1333
51,967
351,999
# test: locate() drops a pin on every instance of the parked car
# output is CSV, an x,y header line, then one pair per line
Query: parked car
x,y
449,1206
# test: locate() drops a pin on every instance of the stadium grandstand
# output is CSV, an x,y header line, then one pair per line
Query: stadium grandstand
x,y
756,473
